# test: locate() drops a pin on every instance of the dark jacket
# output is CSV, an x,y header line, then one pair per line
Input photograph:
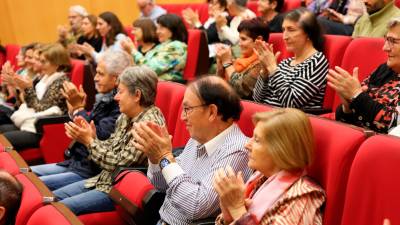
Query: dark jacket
x,y
104,114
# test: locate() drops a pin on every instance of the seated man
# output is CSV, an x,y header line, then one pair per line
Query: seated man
x,y
10,198
148,9
75,17
373,23
210,107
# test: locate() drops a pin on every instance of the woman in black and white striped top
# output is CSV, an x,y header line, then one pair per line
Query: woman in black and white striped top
x,y
300,81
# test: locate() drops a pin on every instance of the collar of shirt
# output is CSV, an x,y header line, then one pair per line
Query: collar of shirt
x,y
213,144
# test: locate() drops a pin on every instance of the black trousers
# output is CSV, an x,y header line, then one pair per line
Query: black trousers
x,y
19,139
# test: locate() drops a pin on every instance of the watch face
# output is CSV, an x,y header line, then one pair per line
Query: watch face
x,y
164,162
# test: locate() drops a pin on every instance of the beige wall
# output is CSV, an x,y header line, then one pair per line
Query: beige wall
x,y
25,21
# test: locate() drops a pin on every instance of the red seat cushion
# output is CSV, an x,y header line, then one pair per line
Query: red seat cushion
x,y
249,109
54,213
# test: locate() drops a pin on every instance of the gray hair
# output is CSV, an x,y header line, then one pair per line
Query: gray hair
x,y
241,3
78,9
115,61
395,21
141,78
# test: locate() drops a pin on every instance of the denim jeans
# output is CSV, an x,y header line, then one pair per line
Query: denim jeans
x,y
55,176
82,200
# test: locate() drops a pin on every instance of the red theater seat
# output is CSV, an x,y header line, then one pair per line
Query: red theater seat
x,y
13,163
102,218
249,109
336,146
197,55
11,53
181,134
53,213
373,188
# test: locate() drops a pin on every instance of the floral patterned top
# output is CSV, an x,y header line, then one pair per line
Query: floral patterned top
x,y
167,59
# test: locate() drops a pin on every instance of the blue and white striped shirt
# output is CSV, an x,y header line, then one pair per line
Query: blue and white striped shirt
x,y
188,183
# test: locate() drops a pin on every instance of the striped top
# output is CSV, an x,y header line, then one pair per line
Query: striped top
x,y
300,86
190,194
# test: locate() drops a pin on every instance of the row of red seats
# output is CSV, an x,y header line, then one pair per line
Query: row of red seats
x,y
357,169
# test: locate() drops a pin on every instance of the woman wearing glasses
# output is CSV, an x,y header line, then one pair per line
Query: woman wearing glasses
x,y
371,103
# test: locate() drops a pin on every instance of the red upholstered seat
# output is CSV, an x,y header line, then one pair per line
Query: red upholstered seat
x,y
11,53
53,213
364,53
249,108
128,31
336,146
253,5
13,163
197,55
181,134
201,8
277,40
35,194
169,99
102,218
290,5
373,188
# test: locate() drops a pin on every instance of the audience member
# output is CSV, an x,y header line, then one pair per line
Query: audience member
x,y
243,72
145,32
237,9
270,11
210,107
148,9
10,198
112,32
215,8
373,23
136,95
299,81
279,190
340,17
75,16
89,35
167,59
103,115
43,99
372,103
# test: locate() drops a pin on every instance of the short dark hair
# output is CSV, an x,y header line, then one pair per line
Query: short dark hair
x,y
10,196
175,24
222,3
279,5
220,94
116,26
148,29
28,47
255,28
310,25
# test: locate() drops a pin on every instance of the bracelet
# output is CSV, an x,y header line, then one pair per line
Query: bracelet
x,y
226,65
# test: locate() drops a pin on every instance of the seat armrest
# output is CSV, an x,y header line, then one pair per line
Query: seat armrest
x,y
40,122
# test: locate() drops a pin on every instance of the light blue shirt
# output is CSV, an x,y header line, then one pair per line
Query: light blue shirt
x,y
155,13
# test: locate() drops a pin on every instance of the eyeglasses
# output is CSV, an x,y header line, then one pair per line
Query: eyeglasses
x,y
188,109
391,41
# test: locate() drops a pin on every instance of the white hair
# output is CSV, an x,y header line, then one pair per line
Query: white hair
x,y
78,9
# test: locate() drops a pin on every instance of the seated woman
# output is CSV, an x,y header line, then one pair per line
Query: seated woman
x,y
111,31
103,115
43,99
243,72
215,8
238,11
299,81
281,148
167,59
372,103
136,95
89,35
145,32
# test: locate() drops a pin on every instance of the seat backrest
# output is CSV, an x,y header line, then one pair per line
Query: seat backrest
x,y
197,55
249,108
169,99
77,72
336,146
289,5
201,8
128,31
335,46
12,162
364,53
181,134
253,5
11,54
35,194
53,213
277,40
373,188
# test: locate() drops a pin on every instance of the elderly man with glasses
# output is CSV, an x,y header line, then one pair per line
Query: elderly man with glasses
x,y
373,102
210,107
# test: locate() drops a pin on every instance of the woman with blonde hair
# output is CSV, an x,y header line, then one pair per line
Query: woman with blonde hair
x,y
279,151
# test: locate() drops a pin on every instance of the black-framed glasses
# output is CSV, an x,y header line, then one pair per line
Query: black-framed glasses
x,y
391,41
188,109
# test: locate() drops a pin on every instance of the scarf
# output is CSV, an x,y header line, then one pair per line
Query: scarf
x,y
241,64
269,191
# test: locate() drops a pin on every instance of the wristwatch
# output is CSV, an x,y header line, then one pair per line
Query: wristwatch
x,y
226,65
164,162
